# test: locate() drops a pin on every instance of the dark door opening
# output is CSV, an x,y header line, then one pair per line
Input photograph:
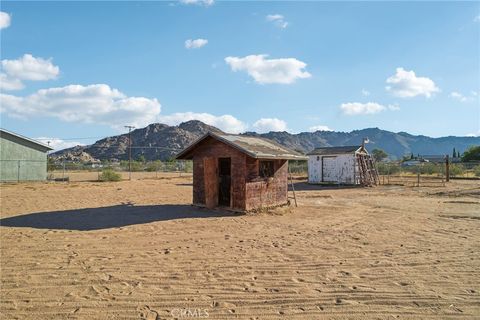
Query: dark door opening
x,y
224,181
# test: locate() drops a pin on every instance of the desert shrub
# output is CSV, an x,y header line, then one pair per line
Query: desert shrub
x,y
456,170
431,168
387,168
154,166
476,170
110,175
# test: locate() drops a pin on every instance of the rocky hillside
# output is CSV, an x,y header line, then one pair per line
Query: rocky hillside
x,y
155,141
162,142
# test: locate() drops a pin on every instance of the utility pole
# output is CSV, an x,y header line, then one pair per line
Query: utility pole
x,y
130,151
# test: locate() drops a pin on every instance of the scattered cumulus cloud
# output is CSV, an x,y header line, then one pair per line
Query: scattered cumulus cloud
x,y
365,93
264,125
205,3
405,84
458,96
278,20
59,144
96,103
5,20
267,71
319,128
8,83
14,72
464,98
30,68
195,44
477,18
358,108
227,123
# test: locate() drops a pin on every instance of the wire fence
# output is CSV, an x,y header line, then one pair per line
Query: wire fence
x,y
75,171
426,174
396,173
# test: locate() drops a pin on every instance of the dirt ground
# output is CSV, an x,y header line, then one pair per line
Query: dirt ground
x,y
138,250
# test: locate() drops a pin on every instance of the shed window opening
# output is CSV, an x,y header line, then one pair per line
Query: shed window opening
x,y
265,169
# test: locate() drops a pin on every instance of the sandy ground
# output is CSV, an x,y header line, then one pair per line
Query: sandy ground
x,y
138,250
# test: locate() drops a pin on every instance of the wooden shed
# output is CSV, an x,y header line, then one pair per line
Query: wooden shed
x,y
241,173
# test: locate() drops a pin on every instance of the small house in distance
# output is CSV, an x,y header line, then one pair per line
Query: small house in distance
x,y
241,173
341,165
22,158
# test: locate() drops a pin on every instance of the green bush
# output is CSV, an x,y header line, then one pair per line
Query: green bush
x,y
110,175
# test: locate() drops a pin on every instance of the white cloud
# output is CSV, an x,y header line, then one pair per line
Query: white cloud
x,y
205,3
225,122
264,71
8,83
358,108
195,44
5,20
269,124
319,128
278,20
463,98
59,144
458,96
405,84
97,103
30,68
477,18
365,93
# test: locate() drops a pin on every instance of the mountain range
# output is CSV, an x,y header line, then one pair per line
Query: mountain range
x,y
162,142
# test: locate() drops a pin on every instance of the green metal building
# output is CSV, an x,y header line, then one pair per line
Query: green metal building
x,y
22,158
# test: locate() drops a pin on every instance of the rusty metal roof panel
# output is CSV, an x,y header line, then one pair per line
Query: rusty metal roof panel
x,y
255,147
335,150
258,147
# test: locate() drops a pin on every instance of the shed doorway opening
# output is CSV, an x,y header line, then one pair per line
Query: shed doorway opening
x,y
224,181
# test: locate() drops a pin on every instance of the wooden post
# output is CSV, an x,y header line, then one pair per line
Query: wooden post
x,y
418,179
447,169
291,182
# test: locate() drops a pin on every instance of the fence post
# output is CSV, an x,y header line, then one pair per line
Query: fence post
x,y
418,179
63,172
447,169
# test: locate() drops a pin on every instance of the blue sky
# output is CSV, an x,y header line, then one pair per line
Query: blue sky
x,y
86,69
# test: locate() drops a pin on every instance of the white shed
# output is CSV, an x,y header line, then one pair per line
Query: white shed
x,y
335,165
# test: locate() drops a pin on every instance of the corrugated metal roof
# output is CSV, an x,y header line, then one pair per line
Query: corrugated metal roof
x,y
255,147
25,138
334,150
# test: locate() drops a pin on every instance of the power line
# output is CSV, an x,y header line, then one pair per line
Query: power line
x,y
67,139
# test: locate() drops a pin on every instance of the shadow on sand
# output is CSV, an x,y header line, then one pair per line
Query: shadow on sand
x,y
109,217
304,186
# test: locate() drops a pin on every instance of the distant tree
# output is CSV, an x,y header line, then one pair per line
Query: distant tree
x,y
50,164
141,158
471,154
454,155
411,156
379,154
